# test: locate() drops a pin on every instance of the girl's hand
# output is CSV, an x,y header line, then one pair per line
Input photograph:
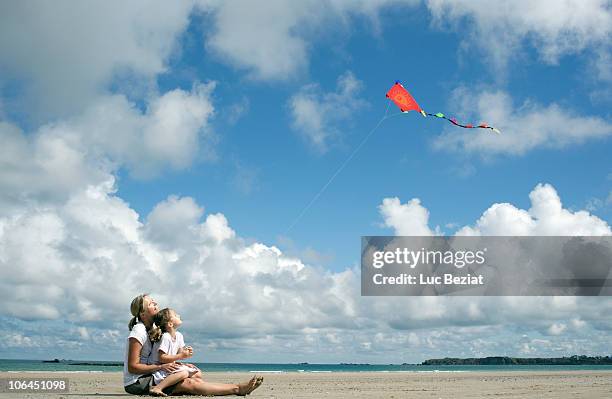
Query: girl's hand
x,y
169,367
186,352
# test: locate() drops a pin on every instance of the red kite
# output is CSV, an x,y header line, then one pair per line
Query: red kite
x,y
405,102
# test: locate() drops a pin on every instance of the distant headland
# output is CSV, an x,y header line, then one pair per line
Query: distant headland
x,y
89,363
505,360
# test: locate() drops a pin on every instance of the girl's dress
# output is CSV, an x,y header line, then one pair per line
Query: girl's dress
x,y
170,347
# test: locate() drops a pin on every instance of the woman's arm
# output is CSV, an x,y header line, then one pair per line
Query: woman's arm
x,y
134,365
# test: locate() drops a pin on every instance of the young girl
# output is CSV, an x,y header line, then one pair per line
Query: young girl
x,y
169,347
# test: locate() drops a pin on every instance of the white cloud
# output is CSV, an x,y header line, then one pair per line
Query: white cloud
x,y
18,341
557,328
546,217
42,167
66,156
577,323
57,195
550,316
170,223
524,128
261,39
409,219
264,303
83,333
67,53
272,42
199,267
254,292
554,28
318,116
169,133
198,264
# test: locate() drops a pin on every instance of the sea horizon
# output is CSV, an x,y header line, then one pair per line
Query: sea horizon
x,y
84,366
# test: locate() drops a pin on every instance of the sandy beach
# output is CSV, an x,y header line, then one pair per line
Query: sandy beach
x,y
553,384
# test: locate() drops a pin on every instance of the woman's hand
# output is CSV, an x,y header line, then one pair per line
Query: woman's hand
x,y
169,367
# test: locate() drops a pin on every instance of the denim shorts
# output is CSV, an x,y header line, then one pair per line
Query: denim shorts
x,y
141,386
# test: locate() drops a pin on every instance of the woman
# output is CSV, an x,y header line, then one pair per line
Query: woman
x,y
137,372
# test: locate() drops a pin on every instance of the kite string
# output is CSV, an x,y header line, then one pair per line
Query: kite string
x,y
331,179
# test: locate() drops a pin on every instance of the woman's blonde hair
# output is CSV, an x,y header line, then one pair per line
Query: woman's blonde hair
x,y
160,320
136,308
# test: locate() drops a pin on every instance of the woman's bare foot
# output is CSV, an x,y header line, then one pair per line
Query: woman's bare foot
x,y
246,388
155,391
258,382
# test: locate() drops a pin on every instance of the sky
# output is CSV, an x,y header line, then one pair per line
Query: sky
x,y
227,157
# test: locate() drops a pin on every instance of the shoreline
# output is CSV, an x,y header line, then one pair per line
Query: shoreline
x,y
361,385
300,372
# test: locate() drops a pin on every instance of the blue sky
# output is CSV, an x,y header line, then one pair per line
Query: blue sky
x,y
181,141
265,175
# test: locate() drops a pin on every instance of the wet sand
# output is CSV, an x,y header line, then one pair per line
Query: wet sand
x,y
519,384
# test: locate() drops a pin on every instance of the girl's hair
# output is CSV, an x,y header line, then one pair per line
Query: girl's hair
x,y
161,320
136,309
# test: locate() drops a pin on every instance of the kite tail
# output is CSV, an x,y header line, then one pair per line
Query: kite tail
x,y
466,126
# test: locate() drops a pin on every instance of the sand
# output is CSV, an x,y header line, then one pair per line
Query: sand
x,y
545,384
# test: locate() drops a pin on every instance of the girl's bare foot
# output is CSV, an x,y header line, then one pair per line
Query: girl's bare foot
x,y
155,391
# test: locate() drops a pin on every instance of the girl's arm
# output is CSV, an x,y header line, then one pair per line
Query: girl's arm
x,y
134,365
166,358
189,352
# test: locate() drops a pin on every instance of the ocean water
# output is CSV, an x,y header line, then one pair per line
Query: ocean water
x,y
97,366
